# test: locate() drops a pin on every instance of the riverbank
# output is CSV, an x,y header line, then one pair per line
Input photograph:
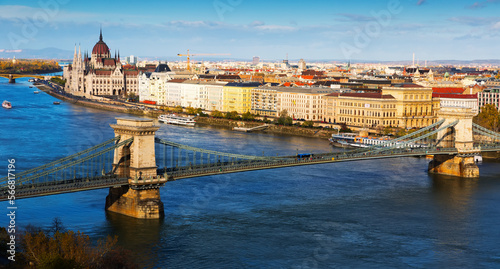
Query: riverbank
x,y
225,123
274,129
96,104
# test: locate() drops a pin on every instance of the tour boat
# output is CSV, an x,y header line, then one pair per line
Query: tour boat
x,y
31,86
175,119
6,104
351,140
36,92
57,103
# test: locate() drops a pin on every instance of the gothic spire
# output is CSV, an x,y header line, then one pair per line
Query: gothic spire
x,y
100,34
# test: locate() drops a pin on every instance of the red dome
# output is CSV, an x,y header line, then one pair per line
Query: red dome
x,y
100,48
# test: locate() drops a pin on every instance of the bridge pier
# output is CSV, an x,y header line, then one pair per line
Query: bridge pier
x,y
136,161
141,204
461,137
458,166
12,79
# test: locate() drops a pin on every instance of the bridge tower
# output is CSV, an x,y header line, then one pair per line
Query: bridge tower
x,y
136,162
12,79
461,137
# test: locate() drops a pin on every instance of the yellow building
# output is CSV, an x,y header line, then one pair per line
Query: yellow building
x,y
237,97
414,105
362,109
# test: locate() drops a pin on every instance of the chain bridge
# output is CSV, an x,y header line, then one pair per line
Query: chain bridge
x,y
135,164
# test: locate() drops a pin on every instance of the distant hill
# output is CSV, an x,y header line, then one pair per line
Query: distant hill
x,y
46,53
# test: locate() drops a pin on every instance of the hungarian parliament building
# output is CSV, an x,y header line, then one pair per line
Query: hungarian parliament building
x,y
100,74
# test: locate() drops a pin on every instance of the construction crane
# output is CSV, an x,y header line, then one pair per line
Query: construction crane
x,y
198,54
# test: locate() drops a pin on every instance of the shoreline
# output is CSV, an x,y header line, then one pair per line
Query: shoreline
x,y
218,122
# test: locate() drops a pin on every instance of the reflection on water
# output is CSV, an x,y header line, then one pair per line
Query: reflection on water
x,y
455,224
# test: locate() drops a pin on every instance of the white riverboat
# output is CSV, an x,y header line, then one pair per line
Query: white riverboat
x,y
175,119
351,140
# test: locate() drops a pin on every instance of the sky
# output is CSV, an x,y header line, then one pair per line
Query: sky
x,y
388,30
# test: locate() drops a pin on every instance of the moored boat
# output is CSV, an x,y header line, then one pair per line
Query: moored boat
x,y
175,119
36,92
6,104
351,140
56,103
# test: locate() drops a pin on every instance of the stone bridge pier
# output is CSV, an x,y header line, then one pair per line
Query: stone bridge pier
x,y
12,79
137,162
461,137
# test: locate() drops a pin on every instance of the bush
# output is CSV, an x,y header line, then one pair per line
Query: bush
x,y
308,124
217,114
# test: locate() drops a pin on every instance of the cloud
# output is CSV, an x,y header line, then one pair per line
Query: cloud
x,y
354,17
482,4
275,28
475,21
421,2
196,24
19,12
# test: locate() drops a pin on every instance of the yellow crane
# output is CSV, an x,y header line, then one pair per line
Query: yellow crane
x,y
198,54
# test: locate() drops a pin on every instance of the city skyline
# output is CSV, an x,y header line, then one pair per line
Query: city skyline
x,y
356,30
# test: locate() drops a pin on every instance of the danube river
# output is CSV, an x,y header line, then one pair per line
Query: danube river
x,y
368,214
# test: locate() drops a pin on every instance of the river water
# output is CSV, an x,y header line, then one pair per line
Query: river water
x,y
369,214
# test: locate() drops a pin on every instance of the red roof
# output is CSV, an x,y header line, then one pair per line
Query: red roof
x,y
131,72
368,95
109,62
451,95
100,48
103,72
447,90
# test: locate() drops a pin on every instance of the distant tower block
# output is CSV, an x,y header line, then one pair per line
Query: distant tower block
x,y
255,60
302,64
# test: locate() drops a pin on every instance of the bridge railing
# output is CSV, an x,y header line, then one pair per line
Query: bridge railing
x,y
88,165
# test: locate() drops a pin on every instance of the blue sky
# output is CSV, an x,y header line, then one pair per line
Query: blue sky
x,y
343,30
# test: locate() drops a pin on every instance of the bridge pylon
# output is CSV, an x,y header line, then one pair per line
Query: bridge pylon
x,y
12,79
461,137
136,162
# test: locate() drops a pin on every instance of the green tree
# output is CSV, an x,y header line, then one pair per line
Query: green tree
x,y
344,128
284,119
217,114
132,97
308,124
488,117
247,116
233,115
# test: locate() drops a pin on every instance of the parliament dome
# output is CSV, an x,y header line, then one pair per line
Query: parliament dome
x,y
100,47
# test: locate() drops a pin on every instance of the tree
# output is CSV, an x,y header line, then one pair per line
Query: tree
x,y
233,115
72,250
308,124
190,110
178,109
344,128
132,97
488,117
247,116
284,119
217,114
